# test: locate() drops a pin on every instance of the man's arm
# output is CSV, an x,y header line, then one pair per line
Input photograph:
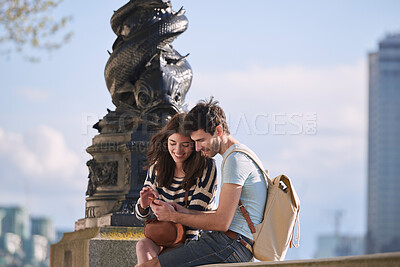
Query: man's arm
x,y
215,220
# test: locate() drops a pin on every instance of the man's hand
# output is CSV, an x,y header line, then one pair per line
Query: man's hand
x,y
180,208
145,194
164,211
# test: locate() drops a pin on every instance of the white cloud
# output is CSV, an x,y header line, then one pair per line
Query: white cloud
x,y
34,95
38,169
337,95
41,153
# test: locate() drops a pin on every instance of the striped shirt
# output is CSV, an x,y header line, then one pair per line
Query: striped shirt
x,y
201,194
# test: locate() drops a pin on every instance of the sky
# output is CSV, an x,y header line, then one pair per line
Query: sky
x,y
292,77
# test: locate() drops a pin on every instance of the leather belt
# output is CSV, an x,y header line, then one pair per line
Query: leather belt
x,y
246,242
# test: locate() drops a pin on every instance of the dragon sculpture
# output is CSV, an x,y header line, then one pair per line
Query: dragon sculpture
x,y
146,77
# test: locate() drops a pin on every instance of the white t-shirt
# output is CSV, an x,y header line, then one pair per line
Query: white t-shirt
x,y
240,169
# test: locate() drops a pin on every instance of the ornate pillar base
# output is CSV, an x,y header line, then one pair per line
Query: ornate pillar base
x,y
109,174
116,176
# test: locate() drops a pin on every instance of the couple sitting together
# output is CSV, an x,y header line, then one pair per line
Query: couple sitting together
x,y
180,161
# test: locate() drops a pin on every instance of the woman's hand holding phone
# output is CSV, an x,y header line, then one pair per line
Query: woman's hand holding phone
x,y
147,195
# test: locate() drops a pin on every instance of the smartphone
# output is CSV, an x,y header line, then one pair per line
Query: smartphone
x,y
152,200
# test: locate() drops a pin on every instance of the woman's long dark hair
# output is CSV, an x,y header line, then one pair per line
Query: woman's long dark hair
x,y
164,165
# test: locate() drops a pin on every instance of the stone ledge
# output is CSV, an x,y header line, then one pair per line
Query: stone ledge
x,y
86,223
374,260
115,246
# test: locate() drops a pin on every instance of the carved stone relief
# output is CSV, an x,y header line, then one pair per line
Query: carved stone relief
x,y
101,174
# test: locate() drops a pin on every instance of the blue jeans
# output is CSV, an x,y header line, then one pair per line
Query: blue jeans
x,y
212,247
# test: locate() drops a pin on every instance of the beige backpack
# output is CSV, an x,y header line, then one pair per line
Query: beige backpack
x,y
274,235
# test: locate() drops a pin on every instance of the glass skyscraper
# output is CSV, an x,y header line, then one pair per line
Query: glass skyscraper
x,y
383,226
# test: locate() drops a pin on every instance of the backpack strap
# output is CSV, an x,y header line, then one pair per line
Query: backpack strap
x,y
297,239
255,159
247,217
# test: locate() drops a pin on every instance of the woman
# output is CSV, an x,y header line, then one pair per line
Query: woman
x,y
173,168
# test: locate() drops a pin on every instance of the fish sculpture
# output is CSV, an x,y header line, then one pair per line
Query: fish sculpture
x,y
144,73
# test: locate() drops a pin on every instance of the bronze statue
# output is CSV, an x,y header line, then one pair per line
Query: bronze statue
x,y
146,77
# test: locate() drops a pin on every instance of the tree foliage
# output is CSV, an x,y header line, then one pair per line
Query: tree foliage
x,y
28,25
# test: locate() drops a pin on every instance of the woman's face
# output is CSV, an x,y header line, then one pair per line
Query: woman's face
x,y
180,147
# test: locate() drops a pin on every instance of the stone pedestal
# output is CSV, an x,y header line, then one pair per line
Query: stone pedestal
x,y
109,174
116,176
97,247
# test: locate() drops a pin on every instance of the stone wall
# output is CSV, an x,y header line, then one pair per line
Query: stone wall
x,y
373,260
115,246
97,247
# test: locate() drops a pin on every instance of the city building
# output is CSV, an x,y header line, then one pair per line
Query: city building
x,y
44,227
329,246
383,225
338,244
24,241
14,220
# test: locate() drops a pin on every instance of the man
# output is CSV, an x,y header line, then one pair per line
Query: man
x,y
227,236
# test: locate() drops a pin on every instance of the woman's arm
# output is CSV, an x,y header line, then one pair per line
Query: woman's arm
x,y
142,209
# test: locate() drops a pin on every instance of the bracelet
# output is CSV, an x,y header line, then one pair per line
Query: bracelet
x,y
140,204
141,209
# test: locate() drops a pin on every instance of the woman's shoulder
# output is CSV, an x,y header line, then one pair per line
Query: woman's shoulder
x,y
210,170
151,175
210,162
209,176
210,166
150,170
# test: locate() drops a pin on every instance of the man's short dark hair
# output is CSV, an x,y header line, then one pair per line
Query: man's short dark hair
x,y
206,115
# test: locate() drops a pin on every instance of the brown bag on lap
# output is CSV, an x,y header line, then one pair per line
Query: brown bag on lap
x,y
166,234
